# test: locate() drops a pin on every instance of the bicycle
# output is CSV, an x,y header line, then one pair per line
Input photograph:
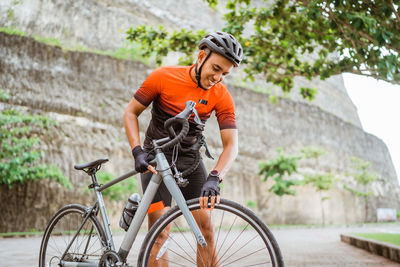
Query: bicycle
x,y
75,237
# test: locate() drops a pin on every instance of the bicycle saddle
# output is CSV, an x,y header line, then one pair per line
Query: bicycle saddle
x,y
90,165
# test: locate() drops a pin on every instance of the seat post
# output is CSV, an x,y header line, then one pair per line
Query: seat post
x,y
92,173
94,179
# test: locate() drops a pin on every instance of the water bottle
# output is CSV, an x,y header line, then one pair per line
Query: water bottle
x,y
129,211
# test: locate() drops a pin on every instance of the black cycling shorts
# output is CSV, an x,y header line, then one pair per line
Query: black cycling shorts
x,y
192,190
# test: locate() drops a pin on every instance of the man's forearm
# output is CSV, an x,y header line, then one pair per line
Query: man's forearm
x,y
131,125
226,160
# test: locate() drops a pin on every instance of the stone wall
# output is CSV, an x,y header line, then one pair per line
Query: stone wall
x,y
87,93
101,24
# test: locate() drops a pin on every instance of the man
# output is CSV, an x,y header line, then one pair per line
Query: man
x,y
169,88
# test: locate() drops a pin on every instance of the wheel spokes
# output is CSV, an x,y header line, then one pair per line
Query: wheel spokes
x,y
234,242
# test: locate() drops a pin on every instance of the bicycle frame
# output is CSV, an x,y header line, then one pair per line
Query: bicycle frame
x,y
165,175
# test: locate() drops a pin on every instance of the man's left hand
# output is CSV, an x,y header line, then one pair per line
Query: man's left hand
x,y
210,191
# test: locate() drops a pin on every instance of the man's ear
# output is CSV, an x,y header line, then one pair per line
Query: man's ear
x,y
201,56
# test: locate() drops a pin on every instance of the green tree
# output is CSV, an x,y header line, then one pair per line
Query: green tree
x,y
363,177
19,154
310,152
277,168
298,38
321,181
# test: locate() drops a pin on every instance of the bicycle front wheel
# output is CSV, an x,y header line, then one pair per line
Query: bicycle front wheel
x,y
88,245
235,236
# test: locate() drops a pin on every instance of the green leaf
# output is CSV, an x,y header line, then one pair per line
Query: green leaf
x,y
281,35
19,157
276,169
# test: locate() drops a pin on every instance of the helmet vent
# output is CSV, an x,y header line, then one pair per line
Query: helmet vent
x,y
226,42
215,41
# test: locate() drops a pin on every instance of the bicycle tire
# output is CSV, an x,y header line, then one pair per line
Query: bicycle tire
x,y
88,246
225,255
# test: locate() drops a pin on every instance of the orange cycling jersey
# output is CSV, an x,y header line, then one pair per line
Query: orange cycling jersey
x,y
169,88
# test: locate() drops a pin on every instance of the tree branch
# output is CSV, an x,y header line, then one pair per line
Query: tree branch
x,y
363,34
367,36
373,75
330,12
396,14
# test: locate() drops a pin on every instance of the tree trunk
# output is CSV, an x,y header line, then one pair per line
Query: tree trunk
x,y
366,203
322,208
366,208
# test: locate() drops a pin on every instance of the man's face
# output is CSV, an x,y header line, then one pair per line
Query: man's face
x,y
214,69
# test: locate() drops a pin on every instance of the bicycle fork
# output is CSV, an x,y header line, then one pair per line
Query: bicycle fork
x,y
176,193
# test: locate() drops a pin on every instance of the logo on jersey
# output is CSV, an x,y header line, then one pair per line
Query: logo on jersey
x,y
203,101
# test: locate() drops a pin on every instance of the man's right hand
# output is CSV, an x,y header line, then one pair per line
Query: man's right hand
x,y
142,160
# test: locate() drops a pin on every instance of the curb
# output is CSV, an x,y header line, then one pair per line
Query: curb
x,y
386,250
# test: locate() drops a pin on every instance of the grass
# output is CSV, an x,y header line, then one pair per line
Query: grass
x,y
14,234
46,40
130,50
383,237
13,31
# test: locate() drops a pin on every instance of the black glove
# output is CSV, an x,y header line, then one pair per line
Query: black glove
x,y
210,187
142,159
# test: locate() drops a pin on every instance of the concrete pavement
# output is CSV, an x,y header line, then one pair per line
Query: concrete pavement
x,y
322,247
300,247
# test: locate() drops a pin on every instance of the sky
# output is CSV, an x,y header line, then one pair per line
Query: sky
x,y
378,107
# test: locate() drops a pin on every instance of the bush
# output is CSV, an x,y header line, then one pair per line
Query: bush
x,y
19,157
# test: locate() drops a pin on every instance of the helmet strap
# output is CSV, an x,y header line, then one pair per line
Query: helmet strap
x,y
198,73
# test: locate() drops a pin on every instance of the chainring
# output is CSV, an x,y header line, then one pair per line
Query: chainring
x,y
110,259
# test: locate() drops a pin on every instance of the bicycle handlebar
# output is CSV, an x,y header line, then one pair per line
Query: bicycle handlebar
x,y
182,134
182,119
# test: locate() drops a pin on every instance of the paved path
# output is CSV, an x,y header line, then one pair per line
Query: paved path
x,y
300,247
322,247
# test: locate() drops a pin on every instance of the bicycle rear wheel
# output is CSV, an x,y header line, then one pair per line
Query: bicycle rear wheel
x,y
238,238
88,246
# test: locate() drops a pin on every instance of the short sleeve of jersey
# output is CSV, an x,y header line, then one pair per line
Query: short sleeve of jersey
x,y
225,112
150,88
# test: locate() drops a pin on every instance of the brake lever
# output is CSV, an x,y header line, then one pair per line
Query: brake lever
x,y
197,118
189,109
185,114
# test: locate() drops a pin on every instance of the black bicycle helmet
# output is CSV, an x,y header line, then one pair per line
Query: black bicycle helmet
x,y
224,44
221,43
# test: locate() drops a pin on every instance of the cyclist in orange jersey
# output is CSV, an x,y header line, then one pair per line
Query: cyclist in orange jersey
x,y
168,88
